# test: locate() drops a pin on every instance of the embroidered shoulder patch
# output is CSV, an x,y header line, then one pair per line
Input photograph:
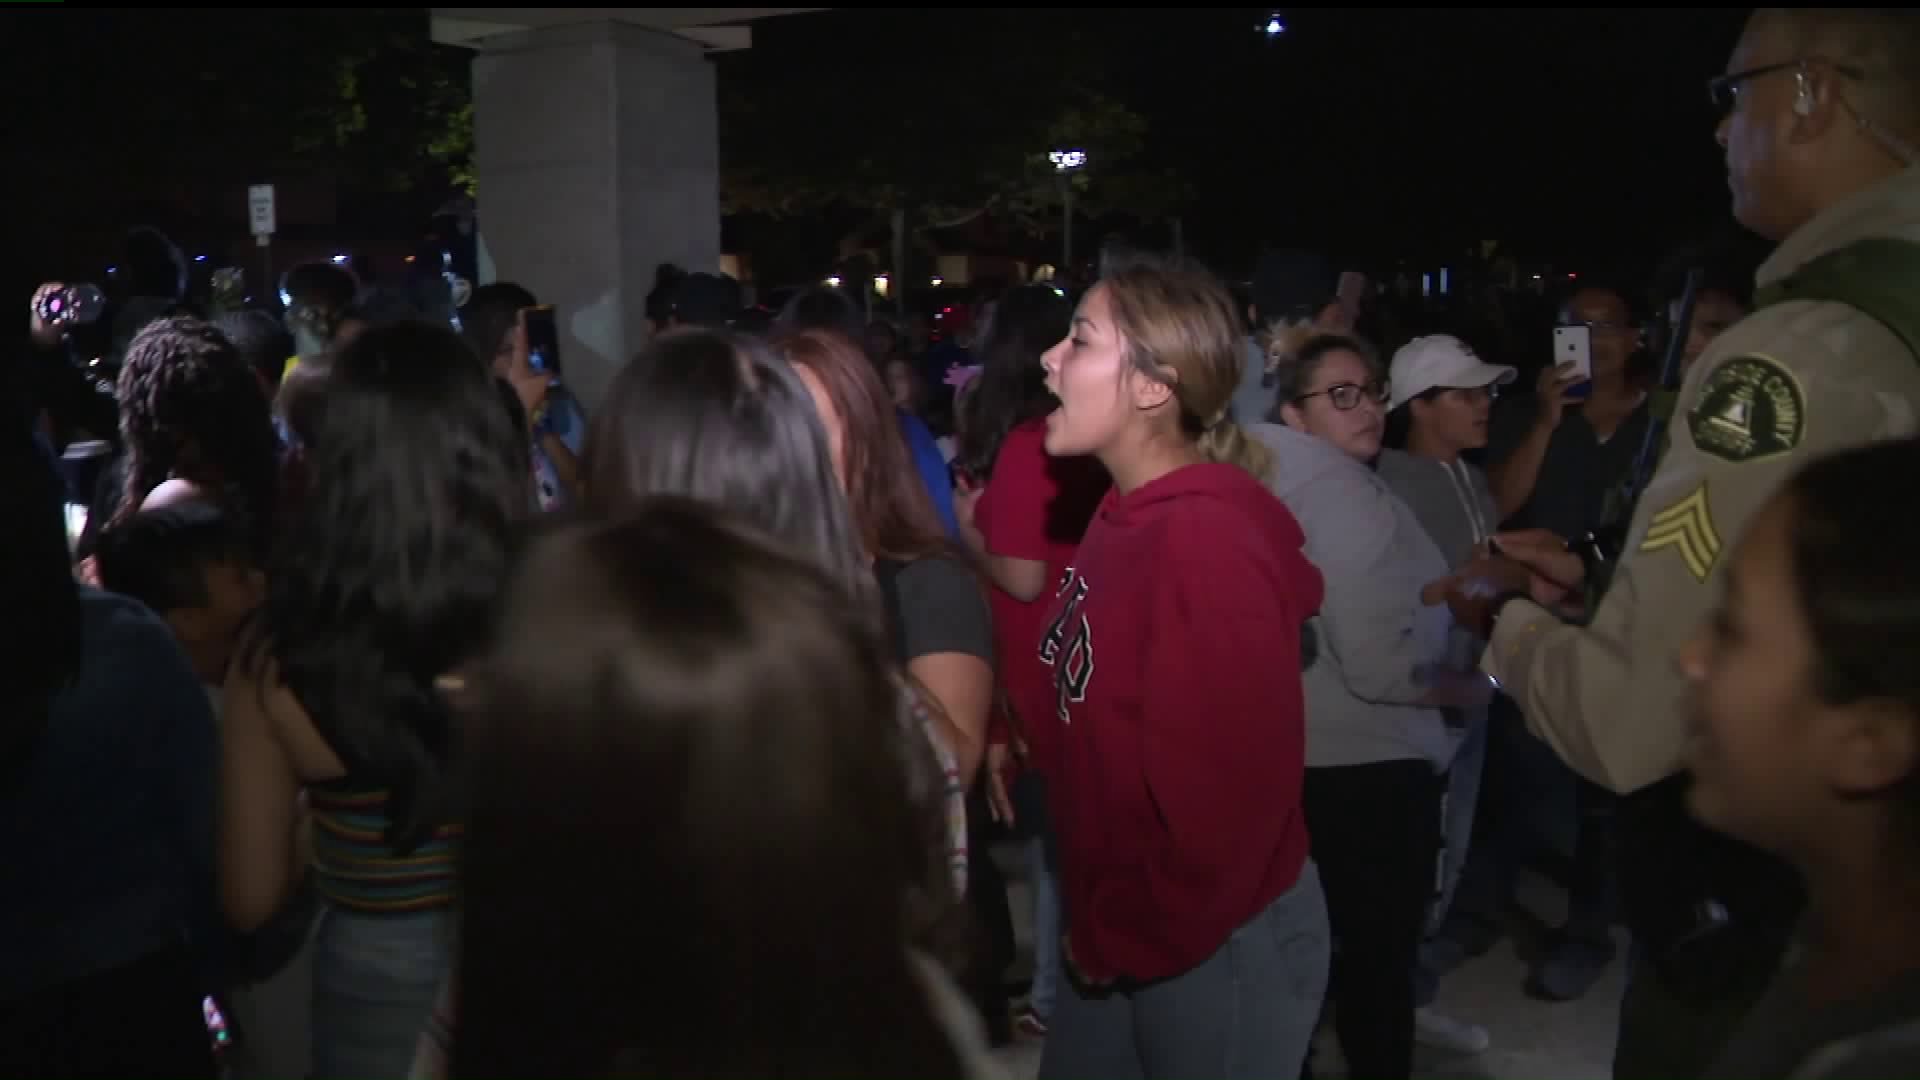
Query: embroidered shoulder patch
x,y
1750,408
1687,528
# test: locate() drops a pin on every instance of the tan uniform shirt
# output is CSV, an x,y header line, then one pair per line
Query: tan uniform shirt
x,y
1788,383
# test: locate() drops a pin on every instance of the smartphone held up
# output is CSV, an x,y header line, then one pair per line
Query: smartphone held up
x,y
543,339
1573,346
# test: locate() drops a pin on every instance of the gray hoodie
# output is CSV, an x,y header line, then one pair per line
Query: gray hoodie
x,y
1377,640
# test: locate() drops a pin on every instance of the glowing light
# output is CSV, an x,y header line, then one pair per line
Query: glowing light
x,y
1067,160
834,281
937,282
199,258
339,260
1275,26
409,258
881,283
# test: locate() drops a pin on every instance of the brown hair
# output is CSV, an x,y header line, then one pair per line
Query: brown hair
x,y
691,843
715,416
891,506
1182,327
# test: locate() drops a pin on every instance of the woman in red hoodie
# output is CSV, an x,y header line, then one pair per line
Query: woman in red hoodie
x,y
1196,929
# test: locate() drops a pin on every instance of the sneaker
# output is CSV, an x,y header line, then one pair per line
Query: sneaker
x,y
1031,1024
1443,1032
1569,969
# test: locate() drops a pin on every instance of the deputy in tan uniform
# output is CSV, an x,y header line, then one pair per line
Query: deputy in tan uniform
x,y
1823,115
1818,147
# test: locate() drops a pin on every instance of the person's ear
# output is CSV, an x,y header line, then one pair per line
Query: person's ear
x,y
1148,393
1874,745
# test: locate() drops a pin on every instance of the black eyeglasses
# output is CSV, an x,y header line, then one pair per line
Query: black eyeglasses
x,y
1346,396
1724,90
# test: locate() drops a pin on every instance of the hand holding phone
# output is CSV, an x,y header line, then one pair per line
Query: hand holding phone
x,y
542,332
1573,348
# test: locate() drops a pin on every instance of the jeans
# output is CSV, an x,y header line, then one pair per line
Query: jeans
x,y
1046,926
1456,825
1526,783
1248,1011
1043,869
1376,833
375,978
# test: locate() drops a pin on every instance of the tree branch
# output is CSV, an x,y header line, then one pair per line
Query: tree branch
x,y
966,218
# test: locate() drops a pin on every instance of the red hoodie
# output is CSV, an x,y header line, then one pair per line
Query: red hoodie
x,y
1175,644
1036,507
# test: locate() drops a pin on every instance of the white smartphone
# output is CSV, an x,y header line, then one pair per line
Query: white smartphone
x,y
1574,345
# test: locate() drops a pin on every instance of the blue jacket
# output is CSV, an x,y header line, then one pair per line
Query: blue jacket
x,y
932,466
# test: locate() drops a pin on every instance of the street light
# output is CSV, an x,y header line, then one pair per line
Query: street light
x,y
1065,164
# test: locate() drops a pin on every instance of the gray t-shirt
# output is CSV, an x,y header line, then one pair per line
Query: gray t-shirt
x,y
1455,506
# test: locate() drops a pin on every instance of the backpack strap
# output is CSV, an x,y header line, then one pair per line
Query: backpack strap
x,y
1878,277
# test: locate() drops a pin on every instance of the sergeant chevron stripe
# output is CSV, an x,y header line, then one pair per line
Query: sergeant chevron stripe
x,y
1687,527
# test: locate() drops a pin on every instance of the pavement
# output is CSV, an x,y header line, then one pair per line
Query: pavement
x,y
1531,1040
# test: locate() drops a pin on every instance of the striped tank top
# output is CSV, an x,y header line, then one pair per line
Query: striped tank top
x,y
355,869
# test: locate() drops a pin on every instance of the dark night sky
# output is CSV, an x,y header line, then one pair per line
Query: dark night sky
x,y
1390,131
1375,131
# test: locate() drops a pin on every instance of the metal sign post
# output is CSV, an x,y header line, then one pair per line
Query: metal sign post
x,y
260,213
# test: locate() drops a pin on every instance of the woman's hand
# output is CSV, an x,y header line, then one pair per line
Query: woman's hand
x,y
998,800
1079,974
1480,585
530,385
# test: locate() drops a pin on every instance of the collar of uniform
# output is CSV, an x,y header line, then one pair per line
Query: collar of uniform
x,y
1893,205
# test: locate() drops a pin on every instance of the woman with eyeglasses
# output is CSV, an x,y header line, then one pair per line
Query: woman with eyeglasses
x,y
1378,746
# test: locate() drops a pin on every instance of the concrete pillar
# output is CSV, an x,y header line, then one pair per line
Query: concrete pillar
x,y
597,157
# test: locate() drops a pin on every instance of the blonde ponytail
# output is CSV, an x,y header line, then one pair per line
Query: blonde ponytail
x,y
1227,443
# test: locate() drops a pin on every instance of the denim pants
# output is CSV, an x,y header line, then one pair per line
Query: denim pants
x,y
1042,851
1248,1011
1456,830
1046,926
375,978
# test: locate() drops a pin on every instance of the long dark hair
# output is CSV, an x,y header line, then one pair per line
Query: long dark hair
x,y
38,591
490,313
686,741
1852,550
891,506
388,577
190,404
714,416
1012,387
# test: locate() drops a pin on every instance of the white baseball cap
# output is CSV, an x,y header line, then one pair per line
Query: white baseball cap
x,y
1441,361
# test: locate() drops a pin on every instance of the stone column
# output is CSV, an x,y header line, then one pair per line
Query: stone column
x,y
597,156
